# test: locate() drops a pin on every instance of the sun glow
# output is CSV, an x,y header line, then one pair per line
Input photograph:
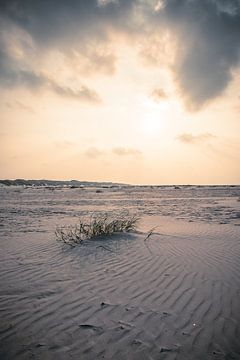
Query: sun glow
x,y
151,125
154,118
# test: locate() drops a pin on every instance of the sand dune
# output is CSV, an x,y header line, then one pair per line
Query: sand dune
x,y
174,296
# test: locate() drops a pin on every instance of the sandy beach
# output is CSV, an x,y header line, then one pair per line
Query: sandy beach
x,y
175,295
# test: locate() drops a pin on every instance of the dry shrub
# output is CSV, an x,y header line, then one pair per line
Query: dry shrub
x,y
95,226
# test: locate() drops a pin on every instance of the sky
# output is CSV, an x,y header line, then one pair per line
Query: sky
x,y
132,91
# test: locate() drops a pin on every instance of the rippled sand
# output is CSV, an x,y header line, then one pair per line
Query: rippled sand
x,y
172,296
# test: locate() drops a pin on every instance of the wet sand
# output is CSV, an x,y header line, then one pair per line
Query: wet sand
x,y
172,296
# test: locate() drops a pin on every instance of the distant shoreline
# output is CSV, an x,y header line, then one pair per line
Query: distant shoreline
x,y
108,184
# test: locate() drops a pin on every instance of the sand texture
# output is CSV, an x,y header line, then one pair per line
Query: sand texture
x,y
175,295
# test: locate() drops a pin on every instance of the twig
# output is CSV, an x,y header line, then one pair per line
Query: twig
x,y
105,248
151,232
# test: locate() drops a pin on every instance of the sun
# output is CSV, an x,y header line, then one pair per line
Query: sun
x,y
150,125
154,117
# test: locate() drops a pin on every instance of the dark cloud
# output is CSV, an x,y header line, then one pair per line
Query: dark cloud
x,y
53,21
33,81
188,138
208,45
121,151
205,34
79,29
13,76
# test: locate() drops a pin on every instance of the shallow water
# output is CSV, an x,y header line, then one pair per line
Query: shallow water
x,y
41,209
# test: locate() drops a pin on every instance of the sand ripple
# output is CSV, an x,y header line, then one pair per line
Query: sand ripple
x,y
174,297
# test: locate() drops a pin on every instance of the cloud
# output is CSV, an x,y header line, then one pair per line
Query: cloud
x,y
18,105
121,151
93,152
24,44
188,138
11,77
12,74
55,22
64,144
83,93
158,95
207,45
198,40
105,2
93,58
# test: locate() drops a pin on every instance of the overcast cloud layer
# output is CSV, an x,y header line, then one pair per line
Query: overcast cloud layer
x,y
205,35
